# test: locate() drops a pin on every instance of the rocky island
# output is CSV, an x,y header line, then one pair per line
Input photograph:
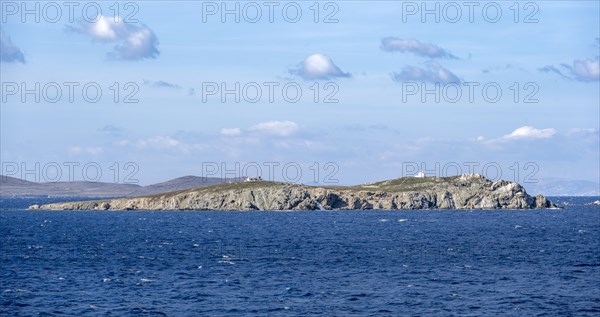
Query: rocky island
x,y
467,191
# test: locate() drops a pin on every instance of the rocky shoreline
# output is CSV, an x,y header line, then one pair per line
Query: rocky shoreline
x,y
468,191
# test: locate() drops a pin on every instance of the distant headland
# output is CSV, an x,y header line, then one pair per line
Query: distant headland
x,y
467,191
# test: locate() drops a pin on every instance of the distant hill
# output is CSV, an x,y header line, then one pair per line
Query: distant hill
x,y
180,183
562,187
10,186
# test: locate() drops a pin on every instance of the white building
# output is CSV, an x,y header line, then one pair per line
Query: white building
x,y
420,174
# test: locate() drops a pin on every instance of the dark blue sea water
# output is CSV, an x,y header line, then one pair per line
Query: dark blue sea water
x,y
356,263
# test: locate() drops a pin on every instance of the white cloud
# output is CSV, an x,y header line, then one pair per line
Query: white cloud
x,y
104,28
318,66
394,44
278,128
133,42
230,131
583,131
527,132
162,143
159,142
585,70
434,73
522,133
94,150
8,51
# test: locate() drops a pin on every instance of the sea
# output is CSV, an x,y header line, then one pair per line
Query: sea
x,y
317,263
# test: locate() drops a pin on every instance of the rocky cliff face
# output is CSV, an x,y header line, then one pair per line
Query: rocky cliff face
x,y
469,191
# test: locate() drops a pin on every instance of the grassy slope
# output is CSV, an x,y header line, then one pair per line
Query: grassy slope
x,y
395,185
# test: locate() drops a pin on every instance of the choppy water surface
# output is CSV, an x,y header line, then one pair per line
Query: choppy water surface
x,y
429,263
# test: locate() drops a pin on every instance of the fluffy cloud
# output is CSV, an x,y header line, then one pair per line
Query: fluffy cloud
x,y
318,66
434,73
230,131
133,42
278,128
429,50
8,51
527,132
586,70
522,133
582,70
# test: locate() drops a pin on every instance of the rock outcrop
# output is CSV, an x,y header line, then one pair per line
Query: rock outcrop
x,y
468,191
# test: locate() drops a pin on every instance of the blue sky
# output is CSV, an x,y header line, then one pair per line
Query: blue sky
x,y
365,63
